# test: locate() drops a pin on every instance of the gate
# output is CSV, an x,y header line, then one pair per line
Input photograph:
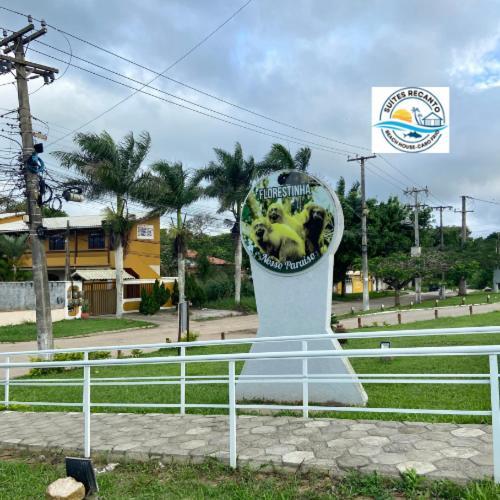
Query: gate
x,y
100,296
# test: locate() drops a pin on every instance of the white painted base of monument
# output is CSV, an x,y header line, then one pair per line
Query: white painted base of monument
x,y
302,309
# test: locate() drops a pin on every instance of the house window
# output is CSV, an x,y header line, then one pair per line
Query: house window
x,y
56,242
96,240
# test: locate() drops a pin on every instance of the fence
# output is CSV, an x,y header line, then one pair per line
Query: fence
x,y
305,378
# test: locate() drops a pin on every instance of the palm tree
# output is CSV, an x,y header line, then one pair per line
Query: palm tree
x,y
280,158
229,179
12,249
170,188
109,168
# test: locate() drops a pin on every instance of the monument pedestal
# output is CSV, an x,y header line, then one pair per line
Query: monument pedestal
x,y
303,308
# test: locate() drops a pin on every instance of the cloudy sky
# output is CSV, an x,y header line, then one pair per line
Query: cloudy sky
x,y
307,63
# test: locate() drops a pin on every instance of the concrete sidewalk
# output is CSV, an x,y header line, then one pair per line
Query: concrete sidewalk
x,y
457,452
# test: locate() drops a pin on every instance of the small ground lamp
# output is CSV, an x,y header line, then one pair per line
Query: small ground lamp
x,y
385,345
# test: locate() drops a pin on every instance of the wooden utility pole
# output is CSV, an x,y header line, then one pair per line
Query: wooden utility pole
x,y
462,285
442,288
24,70
417,251
364,237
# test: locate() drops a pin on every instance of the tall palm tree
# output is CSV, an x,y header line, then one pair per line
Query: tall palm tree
x,y
229,179
279,157
170,188
109,168
12,249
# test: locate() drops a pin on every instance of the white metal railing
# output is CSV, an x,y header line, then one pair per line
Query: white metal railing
x,y
305,378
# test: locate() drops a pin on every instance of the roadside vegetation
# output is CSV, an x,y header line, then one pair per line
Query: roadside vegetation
x,y
26,332
460,397
469,299
28,478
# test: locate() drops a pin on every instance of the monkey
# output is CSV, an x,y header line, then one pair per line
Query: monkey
x,y
277,213
314,222
277,240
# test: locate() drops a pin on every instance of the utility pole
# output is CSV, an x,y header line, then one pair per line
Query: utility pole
x,y
364,238
417,251
67,252
462,285
442,288
27,70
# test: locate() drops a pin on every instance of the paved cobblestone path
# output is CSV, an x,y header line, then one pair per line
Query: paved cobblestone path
x,y
458,452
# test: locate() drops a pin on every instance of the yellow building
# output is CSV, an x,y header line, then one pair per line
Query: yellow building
x,y
91,257
89,245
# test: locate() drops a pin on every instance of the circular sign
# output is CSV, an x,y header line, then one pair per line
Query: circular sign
x,y
289,221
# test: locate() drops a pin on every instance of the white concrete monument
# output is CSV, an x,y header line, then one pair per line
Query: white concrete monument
x,y
291,226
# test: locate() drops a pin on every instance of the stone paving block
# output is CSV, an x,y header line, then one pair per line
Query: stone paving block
x,y
459,452
467,432
398,447
297,457
374,441
348,461
385,458
263,429
419,467
428,445
365,451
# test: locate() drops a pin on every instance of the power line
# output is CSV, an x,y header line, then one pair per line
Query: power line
x,y
177,61
225,117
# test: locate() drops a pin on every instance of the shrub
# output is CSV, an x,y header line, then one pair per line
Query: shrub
x,y
175,294
65,356
161,294
220,287
148,303
191,337
194,292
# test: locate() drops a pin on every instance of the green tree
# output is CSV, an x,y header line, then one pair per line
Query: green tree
x,y
398,269
170,188
105,167
12,249
280,158
229,180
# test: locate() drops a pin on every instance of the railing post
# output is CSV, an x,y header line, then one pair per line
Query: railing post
x,y
495,415
86,407
7,383
183,382
232,414
305,384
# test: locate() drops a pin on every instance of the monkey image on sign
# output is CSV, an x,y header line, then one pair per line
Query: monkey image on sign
x,y
288,227
277,240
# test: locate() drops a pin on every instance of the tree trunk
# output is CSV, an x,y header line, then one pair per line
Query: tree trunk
x,y
237,263
462,287
181,270
119,275
397,301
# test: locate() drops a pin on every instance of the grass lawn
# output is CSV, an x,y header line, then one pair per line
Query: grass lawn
x,y
28,478
471,298
69,328
472,397
359,296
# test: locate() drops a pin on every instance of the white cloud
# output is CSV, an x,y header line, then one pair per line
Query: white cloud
x,y
477,67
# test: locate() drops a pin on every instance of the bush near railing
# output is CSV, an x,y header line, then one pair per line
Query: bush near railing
x,y
65,356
